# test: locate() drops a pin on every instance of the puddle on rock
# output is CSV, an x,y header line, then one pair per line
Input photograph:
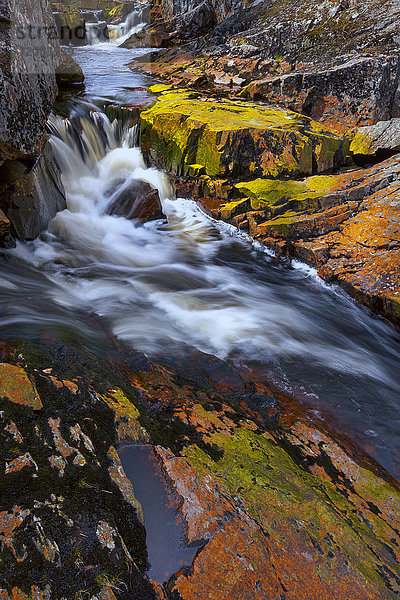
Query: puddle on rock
x,y
165,545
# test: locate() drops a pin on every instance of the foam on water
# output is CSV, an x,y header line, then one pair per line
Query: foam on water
x,y
158,282
192,282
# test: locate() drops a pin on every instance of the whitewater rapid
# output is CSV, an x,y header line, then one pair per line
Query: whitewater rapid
x,y
187,283
162,282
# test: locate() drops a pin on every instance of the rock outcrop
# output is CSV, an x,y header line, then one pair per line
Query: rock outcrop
x,y
194,134
376,140
240,160
29,56
337,62
347,226
278,506
31,189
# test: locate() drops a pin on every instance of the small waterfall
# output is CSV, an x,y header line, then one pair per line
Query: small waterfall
x,y
97,33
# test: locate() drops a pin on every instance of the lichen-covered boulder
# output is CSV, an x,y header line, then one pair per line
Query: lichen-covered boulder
x,y
384,137
192,134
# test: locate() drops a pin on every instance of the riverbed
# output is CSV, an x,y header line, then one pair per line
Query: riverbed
x,y
185,283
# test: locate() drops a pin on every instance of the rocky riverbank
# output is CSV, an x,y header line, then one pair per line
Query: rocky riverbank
x,y
337,66
273,130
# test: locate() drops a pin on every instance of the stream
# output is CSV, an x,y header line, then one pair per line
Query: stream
x,y
188,282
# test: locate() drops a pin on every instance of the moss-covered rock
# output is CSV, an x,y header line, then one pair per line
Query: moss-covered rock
x,y
237,139
384,137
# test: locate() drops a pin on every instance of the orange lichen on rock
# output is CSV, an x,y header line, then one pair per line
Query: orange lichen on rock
x,y
274,528
9,523
19,463
17,387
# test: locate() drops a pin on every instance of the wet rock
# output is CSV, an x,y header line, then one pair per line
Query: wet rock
x,y
345,225
263,548
31,194
69,72
137,200
64,522
274,511
118,476
28,60
187,132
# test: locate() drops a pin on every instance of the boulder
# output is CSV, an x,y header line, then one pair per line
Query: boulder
x,y
137,200
31,194
69,72
376,140
29,56
190,134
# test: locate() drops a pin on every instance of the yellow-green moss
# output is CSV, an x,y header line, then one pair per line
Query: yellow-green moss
x,y
232,137
276,491
268,192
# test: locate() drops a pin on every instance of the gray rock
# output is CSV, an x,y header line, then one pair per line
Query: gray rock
x,y
69,72
31,197
375,139
29,55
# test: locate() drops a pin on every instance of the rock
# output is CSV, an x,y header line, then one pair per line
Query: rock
x,y
29,56
236,139
375,140
345,225
271,507
17,387
356,92
4,226
193,18
64,522
276,505
31,195
137,200
69,72
70,23
197,20
326,60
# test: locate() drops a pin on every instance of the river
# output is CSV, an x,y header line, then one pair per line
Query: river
x,y
187,282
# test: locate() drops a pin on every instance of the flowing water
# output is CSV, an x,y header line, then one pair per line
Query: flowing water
x,y
187,282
